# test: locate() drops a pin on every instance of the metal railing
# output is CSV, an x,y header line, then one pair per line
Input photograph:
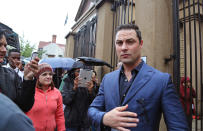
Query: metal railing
x,y
85,40
187,35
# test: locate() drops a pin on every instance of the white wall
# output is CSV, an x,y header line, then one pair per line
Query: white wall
x,y
53,49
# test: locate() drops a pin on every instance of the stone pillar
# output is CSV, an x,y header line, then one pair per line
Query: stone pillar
x,y
104,36
69,49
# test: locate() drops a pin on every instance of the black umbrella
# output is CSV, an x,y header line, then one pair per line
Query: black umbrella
x,y
90,61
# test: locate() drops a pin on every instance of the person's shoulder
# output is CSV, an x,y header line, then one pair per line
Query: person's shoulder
x,y
113,73
56,90
8,70
153,69
8,106
57,93
157,73
12,117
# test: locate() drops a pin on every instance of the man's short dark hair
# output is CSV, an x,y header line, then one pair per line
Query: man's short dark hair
x,y
13,50
128,27
1,33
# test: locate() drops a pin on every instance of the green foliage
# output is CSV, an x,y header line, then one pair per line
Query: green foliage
x,y
26,48
40,52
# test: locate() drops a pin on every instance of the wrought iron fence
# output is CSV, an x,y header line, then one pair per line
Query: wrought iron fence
x,y
187,50
85,40
188,32
124,13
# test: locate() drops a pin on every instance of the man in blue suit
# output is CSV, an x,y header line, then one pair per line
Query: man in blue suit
x,y
135,96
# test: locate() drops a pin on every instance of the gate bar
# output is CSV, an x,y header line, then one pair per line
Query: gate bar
x,y
196,79
200,49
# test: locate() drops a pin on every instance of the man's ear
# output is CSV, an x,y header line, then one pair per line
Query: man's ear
x,y
141,43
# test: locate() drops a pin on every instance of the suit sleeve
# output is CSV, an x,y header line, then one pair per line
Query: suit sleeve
x,y
174,114
96,110
25,94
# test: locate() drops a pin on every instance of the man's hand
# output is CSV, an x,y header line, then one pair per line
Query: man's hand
x,y
119,119
31,69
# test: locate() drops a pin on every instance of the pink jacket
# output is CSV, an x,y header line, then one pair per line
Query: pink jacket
x,y
47,111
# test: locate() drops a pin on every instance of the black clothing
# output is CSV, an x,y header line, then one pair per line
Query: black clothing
x,y
21,93
77,103
124,84
12,118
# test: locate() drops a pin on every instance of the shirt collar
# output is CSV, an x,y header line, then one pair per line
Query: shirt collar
x,y
8,66
39,89
137,68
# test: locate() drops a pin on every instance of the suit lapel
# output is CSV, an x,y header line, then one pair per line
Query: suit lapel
x,y
144,75
114,90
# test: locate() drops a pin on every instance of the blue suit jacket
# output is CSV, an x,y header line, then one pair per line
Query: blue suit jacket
x,y
151,94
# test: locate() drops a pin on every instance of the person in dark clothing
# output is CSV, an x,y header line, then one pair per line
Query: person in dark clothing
x,y
12,118
95,81
14,61
21,93
77,100
57,77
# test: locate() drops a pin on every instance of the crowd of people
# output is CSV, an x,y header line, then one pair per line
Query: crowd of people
x,y
133,97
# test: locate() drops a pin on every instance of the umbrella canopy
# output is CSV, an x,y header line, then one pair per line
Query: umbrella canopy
x,y
90,61
58,62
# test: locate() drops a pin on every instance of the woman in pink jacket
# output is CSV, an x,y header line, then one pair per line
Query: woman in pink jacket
x,y
47,112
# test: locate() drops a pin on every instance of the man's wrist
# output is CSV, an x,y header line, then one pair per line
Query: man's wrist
x,y
102,125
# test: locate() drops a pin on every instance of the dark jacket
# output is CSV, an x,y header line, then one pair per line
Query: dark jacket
x,y
22,93
77,103
12,118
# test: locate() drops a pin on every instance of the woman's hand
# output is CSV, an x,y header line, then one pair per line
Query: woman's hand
x,y
90,86
76,83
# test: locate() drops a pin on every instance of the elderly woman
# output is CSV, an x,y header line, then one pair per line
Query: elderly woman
x,y
47,113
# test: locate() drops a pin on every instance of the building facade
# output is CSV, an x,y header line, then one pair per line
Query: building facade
x,y
172,32
51,49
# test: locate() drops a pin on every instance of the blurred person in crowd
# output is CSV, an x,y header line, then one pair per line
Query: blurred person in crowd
x,y
4,62
95,81
62,81
21,66
21,93
135,96
187,93
77,100
14,61
47,112
57,77
12,118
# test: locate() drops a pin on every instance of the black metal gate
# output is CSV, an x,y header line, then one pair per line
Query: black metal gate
x,y
187,52
188,33
124,13
85,40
